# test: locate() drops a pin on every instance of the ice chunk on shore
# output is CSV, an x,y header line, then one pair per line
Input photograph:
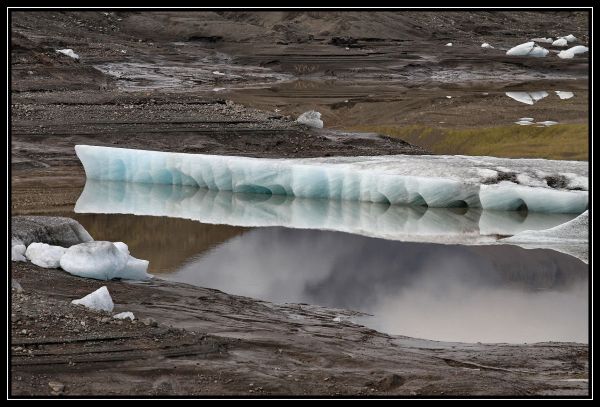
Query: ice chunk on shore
x,y
486,45
103,261
99,300
570,38
529,98
68,52
448,44
561,42
529,49
564,95
45,255
571,52
17,252
123,315
311,118
542,39
547,123
526,119
524,123
435,181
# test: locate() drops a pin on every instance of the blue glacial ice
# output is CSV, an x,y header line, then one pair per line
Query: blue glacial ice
x,y
393,222
433,181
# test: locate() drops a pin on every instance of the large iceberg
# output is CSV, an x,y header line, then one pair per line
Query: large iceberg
x,y
435,181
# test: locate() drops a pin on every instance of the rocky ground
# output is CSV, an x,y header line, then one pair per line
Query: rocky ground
x,y
196,341
147,80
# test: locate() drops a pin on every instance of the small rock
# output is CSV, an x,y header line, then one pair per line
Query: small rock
x,y
149,322
24,331
16,286
57,387
105,320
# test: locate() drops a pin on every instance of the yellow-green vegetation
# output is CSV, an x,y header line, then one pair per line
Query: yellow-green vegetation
x,y
559,142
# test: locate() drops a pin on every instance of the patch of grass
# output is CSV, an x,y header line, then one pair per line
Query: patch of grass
x,y
559,142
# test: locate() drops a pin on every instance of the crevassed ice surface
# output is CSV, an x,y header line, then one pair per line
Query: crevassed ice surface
x,y
394,222
434,181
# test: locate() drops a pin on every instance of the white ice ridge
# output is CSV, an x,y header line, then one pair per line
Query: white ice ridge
x,y
434,181
394,222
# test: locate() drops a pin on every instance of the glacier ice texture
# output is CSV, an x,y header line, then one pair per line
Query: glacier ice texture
x,y
529,49
393,222
99,300
103,261
311,118
45,255
433,181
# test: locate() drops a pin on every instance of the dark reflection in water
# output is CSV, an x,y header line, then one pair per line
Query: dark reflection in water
x,y
442,292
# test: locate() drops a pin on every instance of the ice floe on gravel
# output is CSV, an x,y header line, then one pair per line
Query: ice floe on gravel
x,y
68,52
17,252
45,255
311,118
571,52
123,315
564,95
529,49
99,300
529,98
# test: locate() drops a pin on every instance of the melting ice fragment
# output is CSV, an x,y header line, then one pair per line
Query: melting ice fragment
x,y
68,52
545,40
564,95
99,300
571,52
528,98
435,181
103,261
524,123
486,45
528,49
547,123
448,44
561,42
311,118
45,255
17,252
570,38
123,315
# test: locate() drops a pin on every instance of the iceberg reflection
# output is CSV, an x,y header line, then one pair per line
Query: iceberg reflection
x,y
394,222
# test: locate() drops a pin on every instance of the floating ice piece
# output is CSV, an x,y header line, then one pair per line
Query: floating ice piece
x,y
68,52
123,315
570,38
99,300
449,44
17,252
561,42
526,119
564,95
571,52
486,45
448,97
528,98
547,123
218,73
311,118
528,49
45,255
103,261
524,123
435,181
545,40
